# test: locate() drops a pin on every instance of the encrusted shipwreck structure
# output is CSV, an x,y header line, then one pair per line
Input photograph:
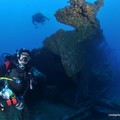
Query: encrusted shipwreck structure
x,y
77,62
70,44
80,13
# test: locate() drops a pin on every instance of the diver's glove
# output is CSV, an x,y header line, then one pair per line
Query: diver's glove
x,y
20,105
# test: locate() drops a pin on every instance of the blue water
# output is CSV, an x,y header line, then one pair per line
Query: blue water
x,y
17,30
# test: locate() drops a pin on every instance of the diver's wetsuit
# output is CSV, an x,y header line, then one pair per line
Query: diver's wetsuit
x,y
19,85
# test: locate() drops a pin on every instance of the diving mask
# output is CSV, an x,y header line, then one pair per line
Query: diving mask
x,y
24,58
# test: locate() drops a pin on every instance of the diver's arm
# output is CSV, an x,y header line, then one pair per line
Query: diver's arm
x,y
38,76
5,67
3,70
33,22
47,18
2,74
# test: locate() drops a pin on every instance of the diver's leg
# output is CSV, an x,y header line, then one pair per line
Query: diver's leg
x,y
26,113
2,115
14,114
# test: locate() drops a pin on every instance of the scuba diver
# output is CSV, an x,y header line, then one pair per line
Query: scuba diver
x,y
16,78
38,18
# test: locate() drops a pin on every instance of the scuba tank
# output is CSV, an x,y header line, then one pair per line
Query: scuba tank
x,y
9,57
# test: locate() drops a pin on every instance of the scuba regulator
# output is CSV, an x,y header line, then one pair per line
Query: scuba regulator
x,y
7,94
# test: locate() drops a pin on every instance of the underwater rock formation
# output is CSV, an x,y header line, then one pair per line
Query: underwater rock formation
x,y
70,44
80,13
84,53
77,62
39,18
72,47
84,91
